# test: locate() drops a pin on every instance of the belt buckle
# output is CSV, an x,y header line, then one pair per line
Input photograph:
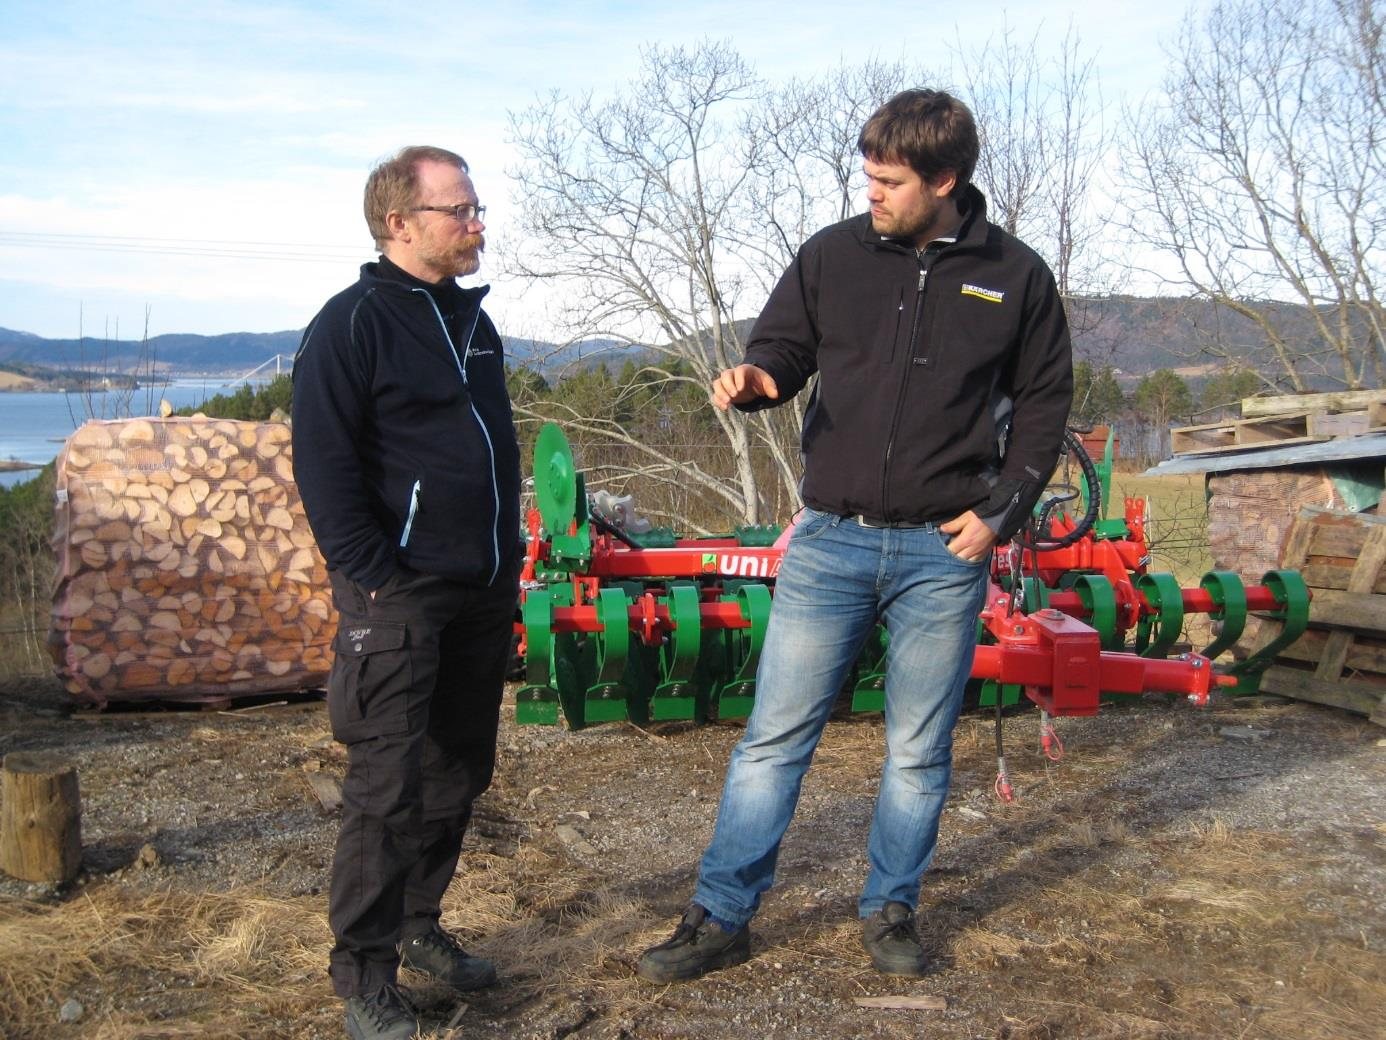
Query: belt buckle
x,y
863,522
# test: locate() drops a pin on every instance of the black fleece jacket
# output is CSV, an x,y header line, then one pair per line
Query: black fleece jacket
x,y
918,356
404,446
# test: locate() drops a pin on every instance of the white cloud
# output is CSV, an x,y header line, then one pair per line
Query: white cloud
x,y
257,122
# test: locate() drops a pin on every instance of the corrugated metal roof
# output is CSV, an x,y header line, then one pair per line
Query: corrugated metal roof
x,y
1369,445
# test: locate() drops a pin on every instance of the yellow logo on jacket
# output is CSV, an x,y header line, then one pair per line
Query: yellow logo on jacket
x,y
990,295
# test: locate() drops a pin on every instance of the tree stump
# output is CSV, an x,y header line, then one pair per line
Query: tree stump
x,y
40,817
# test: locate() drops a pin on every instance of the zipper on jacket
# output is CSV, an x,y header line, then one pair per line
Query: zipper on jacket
x,y
413,510
899,321
900,396
490,447
461,368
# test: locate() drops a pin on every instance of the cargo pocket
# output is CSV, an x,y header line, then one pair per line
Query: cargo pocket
x,y
368,690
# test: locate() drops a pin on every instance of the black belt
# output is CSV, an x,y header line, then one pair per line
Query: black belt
x,y
866,521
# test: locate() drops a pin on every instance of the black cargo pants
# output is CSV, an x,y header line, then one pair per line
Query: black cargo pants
x,y
415,696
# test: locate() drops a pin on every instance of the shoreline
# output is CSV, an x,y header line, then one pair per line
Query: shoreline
x,y
37,386
18,466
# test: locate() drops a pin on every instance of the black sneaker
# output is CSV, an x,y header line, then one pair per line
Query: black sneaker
x,y
438,954
889,937
697,947
382,1015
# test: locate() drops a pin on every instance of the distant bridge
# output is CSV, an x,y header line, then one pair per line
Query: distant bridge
x,y
277,361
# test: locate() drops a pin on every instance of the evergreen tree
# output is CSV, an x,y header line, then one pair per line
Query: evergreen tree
x,y
1097,396
1161,396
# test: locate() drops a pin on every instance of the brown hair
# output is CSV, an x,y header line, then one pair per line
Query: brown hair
x,y
928,130
394,185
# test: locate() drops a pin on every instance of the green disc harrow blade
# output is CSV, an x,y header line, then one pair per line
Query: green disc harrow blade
x,y
555,480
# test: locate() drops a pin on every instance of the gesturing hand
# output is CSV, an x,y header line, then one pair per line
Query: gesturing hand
x,y
741,384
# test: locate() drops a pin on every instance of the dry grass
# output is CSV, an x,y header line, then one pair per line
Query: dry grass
x,y
543,919
233,963
240,964
1110,957
1177,528
1082,910
1226,900
555,929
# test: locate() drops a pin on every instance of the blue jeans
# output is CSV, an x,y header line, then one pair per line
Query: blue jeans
x,y
836,579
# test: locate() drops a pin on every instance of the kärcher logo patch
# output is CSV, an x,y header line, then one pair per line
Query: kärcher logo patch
x,y
990,295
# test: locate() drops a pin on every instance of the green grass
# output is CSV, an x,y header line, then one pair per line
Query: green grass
x,y
1177,528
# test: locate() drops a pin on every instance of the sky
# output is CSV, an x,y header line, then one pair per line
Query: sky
x,y
198,168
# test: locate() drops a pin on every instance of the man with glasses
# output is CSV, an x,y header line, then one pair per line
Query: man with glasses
x,y
919,318
405,455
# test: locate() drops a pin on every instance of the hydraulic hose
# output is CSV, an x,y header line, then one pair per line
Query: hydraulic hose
x,y
1032,535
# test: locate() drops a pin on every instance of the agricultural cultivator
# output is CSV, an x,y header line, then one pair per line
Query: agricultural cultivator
x,y
622,620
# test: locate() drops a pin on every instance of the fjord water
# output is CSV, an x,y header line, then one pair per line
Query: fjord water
x,y
34,425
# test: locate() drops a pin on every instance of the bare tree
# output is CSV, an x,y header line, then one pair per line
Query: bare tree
x,y
1040,117
1260,175
811,174
1077,141
634,203
26,571
1004,89
670,210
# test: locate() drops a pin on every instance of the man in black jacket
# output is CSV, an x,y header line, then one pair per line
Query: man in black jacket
x,y
405,455
938,340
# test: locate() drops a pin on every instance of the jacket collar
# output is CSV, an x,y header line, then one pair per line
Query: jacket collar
x,y
971,234
384,273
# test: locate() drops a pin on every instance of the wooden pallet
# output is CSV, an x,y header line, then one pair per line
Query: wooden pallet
x,y
1346,424
1341,401
1243,434
1341,659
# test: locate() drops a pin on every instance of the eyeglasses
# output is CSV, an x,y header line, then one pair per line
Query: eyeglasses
x,y
464,214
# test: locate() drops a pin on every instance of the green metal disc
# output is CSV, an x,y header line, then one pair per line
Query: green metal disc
x,y
1157,632
1229,601
555,480
1292,599
1099,598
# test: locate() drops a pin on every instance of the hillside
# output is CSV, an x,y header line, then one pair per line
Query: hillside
x,y
1134,334
1137,335
173,354
232,353
14,381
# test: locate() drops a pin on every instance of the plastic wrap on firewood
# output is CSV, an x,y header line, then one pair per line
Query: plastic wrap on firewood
x,y
186,567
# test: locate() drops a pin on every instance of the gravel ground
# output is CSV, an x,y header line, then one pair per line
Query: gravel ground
x,y
1180,873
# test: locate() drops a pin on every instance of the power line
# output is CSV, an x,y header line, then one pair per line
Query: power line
x,y
190,241
205,253
225,249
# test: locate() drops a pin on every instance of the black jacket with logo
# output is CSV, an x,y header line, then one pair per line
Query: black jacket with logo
x,y
917,356
404,446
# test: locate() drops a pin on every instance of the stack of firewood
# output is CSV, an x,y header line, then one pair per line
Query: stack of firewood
x,y
185,564
1250,513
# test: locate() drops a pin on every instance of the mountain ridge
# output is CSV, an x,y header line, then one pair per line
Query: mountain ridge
x,y
1133,334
